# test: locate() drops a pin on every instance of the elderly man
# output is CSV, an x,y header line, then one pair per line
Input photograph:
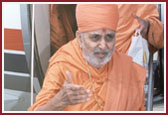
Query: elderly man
x,y
87,74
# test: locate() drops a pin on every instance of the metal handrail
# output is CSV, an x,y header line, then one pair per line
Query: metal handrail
x,y
149,104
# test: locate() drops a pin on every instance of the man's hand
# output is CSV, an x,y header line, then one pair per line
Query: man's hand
x,y
73,94
70,94
143,26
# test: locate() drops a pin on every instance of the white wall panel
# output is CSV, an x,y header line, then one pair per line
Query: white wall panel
x,y
11,15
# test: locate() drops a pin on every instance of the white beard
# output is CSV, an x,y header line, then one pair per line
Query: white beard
x,y
92,60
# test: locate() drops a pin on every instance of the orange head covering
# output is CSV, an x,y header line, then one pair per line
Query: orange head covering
x,y
95,16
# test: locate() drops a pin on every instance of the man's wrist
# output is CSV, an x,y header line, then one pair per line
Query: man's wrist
x,y
57,102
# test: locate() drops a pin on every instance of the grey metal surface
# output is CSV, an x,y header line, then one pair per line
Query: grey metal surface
x,y
42,37
151,86
26,30
15,63
42,32
15,100
16,82
159,105
42,40
162,13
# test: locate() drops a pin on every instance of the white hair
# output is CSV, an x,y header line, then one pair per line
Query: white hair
x,y
91,59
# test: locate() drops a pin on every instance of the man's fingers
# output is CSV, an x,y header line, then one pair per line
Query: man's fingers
x,y
76,87
80,98
69,77
82,92
141,22
75,94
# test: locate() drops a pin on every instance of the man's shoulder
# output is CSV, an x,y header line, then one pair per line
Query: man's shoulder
x,y
63,52
67,48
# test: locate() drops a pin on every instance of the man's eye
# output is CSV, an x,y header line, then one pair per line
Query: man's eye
x,y
109,37
95,37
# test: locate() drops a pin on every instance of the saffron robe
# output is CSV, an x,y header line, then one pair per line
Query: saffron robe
x,y
127,25
119,84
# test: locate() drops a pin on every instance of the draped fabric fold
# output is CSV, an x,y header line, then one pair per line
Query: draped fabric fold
x,y
119,84
127,25
62,25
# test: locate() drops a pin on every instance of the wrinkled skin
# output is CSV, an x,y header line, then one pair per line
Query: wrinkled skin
x,y
70,94
143,26
73,94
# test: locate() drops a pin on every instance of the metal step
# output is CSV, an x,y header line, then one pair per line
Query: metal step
x,y
15,100
13,61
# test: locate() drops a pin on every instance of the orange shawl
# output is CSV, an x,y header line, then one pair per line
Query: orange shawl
x,y
119,84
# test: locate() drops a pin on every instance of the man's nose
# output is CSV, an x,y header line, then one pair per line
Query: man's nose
x,y
102,44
